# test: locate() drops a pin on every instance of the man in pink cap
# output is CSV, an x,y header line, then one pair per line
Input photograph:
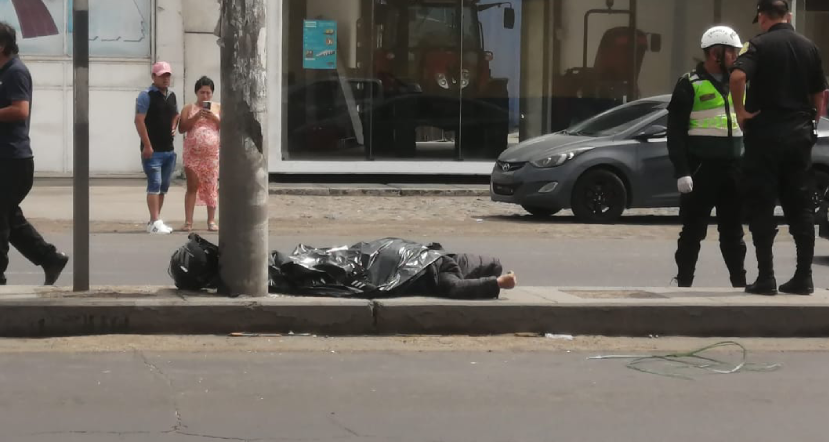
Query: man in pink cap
x,y
156,118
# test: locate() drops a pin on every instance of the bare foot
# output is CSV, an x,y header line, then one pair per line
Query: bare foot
x,y
508,281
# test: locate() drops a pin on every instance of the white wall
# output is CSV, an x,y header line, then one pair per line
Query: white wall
x,y
656,76
114,85
201,50
169,47
534,86
113,141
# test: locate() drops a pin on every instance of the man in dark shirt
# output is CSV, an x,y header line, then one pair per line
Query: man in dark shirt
x,y
156,118
17,165
786,86
705,145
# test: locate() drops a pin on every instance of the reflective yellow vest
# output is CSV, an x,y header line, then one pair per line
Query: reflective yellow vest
x,y
713,130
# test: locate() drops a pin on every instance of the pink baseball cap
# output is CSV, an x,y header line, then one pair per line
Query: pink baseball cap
x,y
161,68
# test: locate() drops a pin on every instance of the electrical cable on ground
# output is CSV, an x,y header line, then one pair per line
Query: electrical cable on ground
x,y
693,360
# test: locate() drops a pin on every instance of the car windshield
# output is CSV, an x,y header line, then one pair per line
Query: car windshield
x,y
616,120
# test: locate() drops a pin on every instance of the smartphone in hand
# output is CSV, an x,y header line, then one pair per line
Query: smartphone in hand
x,y
207,105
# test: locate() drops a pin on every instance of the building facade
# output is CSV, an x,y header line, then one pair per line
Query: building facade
x,y
380,86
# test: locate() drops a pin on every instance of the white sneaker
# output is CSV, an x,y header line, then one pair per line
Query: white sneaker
x,y
166,227
158,228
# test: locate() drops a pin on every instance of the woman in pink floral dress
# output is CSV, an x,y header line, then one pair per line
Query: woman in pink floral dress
x,y
200,121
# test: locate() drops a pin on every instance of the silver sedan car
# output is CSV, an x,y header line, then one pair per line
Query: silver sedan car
x,y
614,161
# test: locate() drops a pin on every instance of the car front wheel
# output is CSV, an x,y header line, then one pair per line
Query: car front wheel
x,y
599,196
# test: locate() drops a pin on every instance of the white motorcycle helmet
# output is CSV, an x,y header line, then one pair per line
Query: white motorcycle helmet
x,y
721,35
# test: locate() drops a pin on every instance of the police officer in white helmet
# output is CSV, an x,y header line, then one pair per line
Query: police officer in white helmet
x,y
705,146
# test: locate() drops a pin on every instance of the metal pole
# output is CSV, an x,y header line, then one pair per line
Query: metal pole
x,y
243,175
80,168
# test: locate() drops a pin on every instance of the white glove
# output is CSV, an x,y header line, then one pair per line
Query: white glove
x,y
685,184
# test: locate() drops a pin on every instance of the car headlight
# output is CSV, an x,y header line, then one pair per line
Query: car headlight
x,y
442,81
464,78
557,159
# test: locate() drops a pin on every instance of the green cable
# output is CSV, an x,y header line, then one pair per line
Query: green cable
x,y
693,360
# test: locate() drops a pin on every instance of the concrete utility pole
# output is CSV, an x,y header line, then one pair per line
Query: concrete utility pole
x,y
243,178
80,167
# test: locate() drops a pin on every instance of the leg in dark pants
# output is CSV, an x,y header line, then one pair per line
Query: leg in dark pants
x,y
796,190
779,167
16,178
730,225
694,212
761,193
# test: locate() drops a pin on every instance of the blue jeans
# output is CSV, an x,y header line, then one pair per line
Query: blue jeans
x,y
159,170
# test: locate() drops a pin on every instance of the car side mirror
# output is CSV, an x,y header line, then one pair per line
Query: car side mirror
x,y
509,18
655,131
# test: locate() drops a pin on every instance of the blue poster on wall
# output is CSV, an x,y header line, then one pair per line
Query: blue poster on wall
x,y
319,44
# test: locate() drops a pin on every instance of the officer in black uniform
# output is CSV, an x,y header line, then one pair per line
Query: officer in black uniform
x,y
786,83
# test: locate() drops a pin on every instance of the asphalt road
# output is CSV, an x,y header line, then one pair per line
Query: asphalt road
x,y
141,259
460,396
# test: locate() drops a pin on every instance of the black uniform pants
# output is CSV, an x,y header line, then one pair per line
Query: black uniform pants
x,y
16,179
780,169
715,185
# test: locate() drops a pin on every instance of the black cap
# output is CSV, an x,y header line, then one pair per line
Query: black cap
x,y
780,6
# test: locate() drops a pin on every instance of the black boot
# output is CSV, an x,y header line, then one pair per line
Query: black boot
x,y
684,281
734,254
686,263
763,286
739,280
54,268
799,285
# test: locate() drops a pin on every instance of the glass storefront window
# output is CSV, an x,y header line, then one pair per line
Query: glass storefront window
x,y
411,80
117,28
463,80
813,17
40,25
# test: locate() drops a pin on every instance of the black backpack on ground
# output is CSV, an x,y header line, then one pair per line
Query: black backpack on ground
x,y
195,265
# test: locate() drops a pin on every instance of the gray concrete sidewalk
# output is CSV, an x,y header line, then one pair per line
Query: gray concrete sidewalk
x,y
380,189
123,200
50,311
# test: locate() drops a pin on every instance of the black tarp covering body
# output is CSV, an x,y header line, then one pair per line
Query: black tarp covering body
x,y
374,269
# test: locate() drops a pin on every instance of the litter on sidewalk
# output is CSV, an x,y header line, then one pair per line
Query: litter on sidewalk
x,y
559,337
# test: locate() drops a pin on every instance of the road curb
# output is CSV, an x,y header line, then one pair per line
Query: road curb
x,y
385,191
605,320
167,312
95,317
